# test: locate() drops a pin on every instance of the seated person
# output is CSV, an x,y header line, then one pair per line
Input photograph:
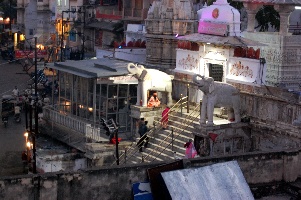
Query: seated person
x,y
153,101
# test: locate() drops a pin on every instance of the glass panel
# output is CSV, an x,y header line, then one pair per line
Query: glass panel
x,y
112,116
133,90
97,101
122,105
104,90
123,91
112,105
122,122
132,95
112,91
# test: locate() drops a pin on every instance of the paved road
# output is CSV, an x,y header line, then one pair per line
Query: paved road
x,y
12,141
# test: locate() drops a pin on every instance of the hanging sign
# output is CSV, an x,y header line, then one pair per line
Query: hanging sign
x,y
213,28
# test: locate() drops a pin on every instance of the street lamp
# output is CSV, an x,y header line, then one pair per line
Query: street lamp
x,y
32,104
26,136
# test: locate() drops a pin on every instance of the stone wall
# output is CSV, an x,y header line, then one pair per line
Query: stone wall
x,y
282,56
274,106
116,182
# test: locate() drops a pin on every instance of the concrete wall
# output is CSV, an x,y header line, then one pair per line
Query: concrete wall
x,y
115,182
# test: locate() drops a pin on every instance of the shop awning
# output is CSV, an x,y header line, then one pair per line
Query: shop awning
x,y
233,41
93,68
109,26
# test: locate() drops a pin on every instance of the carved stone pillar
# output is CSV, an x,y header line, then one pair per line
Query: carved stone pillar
x,y
251,9
284,12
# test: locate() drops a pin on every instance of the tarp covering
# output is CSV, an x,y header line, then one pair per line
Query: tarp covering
x,y
93,68
222,181
233,41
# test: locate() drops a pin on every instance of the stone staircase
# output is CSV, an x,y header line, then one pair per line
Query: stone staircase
x,y
165,144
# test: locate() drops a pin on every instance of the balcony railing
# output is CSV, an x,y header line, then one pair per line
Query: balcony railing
x,y
74,124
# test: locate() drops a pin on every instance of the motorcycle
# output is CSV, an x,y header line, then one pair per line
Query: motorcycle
x,y
5,121
17,118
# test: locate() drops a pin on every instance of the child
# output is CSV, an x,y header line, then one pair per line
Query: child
x,y
190,149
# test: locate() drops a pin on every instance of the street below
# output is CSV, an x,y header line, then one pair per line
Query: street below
x,y
12,141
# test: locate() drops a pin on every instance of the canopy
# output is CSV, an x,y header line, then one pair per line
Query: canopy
x,y
93,68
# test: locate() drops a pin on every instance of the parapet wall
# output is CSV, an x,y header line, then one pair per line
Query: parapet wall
x,y
116,182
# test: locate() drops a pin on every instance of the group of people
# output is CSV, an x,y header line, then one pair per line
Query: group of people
x,y
154,101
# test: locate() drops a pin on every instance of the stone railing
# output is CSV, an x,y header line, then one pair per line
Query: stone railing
x,y
77,125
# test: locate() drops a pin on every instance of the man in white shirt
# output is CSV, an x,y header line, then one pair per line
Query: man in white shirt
x,y
15,92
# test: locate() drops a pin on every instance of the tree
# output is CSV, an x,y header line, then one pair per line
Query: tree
x,y
267,17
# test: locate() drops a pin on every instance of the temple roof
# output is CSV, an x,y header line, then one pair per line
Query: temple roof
x,y
233,41
272,2
93,68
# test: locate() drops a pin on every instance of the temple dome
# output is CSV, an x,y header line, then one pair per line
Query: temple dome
x,y
222,12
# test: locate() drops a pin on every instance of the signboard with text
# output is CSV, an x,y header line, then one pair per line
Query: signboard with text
x,y
213,28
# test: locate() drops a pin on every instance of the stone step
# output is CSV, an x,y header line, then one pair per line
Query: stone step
x,y
178,142
167,147
159,146
155,154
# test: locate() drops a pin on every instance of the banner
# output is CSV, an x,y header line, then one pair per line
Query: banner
x,y
30,54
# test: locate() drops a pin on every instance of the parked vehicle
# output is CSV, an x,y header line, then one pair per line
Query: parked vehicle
x,y
8,54
8,107
5,120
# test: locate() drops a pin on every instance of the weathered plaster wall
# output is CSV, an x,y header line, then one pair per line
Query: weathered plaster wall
x,y
263,104
115,182
282,55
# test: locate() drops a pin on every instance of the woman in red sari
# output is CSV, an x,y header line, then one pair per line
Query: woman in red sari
x,y
164,120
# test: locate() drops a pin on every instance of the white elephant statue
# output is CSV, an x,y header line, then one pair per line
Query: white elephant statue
x,y
150,79
217,94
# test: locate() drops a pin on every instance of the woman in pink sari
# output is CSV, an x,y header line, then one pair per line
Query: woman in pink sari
x,y
190,149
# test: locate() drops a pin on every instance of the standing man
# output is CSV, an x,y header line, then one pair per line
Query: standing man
x,y
143,136
24,161
16,92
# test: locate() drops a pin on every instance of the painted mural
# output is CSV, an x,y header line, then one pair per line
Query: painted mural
x,y
238,69
247,70
188,62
